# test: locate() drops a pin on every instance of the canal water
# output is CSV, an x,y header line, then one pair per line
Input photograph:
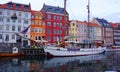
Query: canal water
x,y
109,61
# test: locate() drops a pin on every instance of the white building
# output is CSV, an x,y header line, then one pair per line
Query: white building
x,y
14,18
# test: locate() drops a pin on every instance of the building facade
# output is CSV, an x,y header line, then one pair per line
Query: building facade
x,y
107,30
14,18
37,26
95,32
78,31
56,23
116,33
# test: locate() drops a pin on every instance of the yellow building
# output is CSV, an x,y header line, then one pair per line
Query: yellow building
x,y
73,31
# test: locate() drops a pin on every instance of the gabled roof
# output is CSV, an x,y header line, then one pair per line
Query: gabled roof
x,y
15,6
53,9
114,25
94,24
103,22
34,12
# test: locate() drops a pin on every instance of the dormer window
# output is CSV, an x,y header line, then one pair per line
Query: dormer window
x,y
57,10
26,7
10,5
50,9
18,6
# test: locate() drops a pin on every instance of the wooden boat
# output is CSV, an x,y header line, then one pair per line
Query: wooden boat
x,y
54,51
9,54
14,53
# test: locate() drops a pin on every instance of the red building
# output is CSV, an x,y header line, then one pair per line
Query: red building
x,y
56,22
116,33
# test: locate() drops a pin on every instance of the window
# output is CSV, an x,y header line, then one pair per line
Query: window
x,y
55,24
26,14
19,28
36,17
55,17
43,30
36,22
39,37
32,29
54,38
20,14
1,27
13,28
73,24
26,7
8,12
60,24
19,20
10,5
49,31
26,36
60,17
55,31
13,36
8,20
32,22
1,19
35,30
7,27
60,31
0,36
13,20
7,37
35,37
32,16
49,38
18,6
48,23
25,21
48,16
1,12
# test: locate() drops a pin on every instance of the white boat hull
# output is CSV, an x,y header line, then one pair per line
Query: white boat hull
x,y
63,52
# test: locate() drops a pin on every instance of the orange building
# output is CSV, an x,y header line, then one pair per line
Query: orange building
x,y
37,26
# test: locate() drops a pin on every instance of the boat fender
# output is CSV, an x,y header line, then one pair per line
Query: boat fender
x,y
14,50
58,49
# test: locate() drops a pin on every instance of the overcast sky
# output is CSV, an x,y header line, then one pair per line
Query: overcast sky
x,y
107,9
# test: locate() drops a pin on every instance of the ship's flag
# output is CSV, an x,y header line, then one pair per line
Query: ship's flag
x,y
25,30
58,40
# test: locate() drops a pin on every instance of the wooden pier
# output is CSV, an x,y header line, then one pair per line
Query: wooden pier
x,y
32,51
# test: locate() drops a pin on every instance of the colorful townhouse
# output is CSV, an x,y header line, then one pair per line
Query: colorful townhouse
x,y
116,33
56,23
37,26
107,30
14,17
73,31
95,32
77,31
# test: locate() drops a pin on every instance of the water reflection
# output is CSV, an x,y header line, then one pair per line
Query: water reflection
x,y
94,63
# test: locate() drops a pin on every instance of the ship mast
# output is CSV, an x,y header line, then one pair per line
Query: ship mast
x,y
65,26
88,8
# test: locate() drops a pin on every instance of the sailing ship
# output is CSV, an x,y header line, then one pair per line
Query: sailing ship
x,y
73,49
